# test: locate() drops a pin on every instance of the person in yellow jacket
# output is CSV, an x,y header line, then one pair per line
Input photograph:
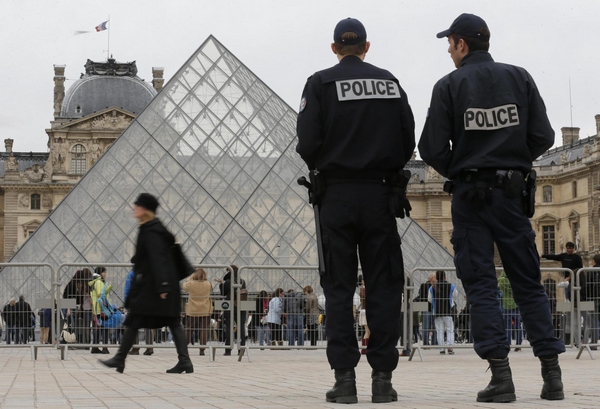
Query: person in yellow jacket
x,y
199,306
96,286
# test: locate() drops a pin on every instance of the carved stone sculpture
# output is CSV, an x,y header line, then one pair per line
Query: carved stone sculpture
x,y
35,173
24,201
11,163
59,157
47,201
431,174
95,151
111,67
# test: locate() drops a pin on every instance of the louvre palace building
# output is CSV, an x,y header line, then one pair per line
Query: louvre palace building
x,y
217,146
88,117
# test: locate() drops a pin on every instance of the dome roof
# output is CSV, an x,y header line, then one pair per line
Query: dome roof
x,y
105,85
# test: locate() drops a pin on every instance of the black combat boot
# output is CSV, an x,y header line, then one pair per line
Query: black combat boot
x,y
184,363
501,388
551,373
381,387
344,389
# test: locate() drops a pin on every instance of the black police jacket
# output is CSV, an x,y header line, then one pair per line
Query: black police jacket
x,y
485,115
355,116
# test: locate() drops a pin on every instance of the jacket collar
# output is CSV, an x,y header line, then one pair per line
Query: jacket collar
x,y
476,57
351,59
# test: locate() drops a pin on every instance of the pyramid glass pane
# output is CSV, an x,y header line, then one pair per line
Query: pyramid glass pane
x,y
217,146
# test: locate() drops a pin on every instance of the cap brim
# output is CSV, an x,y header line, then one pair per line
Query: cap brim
x,y
443,34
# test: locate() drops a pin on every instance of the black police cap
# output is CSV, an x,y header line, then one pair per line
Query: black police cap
x,y
349,25
468,25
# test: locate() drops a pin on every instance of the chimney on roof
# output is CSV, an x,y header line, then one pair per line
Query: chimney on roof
x,y
8,144
157,78
569,135
597,125
59,88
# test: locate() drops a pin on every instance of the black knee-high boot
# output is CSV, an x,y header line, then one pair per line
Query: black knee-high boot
x,y
118,361
184,363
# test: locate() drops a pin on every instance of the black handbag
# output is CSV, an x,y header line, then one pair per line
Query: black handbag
x,y
182,264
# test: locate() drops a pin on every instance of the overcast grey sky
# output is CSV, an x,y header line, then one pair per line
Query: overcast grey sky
x,y
284,42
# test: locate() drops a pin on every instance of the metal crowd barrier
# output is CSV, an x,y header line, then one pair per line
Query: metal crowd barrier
x,y
249,306
562,312
108,332
69,308
566,315
587,282
79,321
26,332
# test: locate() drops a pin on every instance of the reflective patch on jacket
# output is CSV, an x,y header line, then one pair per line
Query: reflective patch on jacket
x,y
349,90
479,119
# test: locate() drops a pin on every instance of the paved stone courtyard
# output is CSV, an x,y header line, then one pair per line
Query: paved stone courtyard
x,y
272,379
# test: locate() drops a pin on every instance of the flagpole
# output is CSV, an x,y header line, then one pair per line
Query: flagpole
x,y
108,47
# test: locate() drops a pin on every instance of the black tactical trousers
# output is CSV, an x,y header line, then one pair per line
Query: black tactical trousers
x,y
357,216
475,231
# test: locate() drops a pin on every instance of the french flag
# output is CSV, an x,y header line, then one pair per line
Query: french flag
x,y
102,26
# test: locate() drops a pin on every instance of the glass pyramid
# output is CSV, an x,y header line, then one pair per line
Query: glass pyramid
x,y
217,147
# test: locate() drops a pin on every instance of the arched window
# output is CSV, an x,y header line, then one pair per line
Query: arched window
x,y
547,193
35,201
78,165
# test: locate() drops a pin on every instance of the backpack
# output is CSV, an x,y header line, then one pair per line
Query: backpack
x,y
114,321
106,309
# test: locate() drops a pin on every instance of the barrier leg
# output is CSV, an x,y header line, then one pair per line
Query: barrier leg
x,y
418,349
586,347
243,350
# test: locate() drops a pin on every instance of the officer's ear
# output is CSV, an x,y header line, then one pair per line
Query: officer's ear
x,y
367,46
333,48
463,47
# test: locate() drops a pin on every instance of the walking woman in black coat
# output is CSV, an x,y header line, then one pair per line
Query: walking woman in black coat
x,y
154,300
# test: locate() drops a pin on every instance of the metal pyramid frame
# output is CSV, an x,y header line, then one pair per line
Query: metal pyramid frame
x,y
217,147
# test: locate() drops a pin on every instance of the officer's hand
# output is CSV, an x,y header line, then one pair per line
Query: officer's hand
x,y
406,207
399,204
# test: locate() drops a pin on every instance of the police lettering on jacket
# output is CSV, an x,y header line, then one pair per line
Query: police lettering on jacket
x,y
348,90
479,119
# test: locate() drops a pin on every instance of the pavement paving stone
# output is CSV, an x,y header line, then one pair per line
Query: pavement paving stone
x,y
273,379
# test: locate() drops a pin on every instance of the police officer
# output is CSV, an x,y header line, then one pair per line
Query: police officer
x,y
486,124
356,131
